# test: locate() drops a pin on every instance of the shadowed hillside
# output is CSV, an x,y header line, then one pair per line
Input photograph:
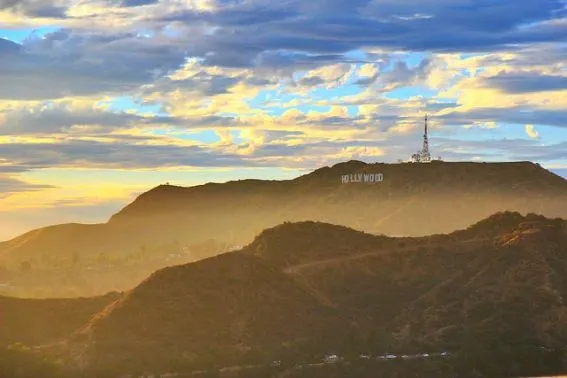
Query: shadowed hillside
x,y
511,292
38,321
491,294
413,200
291,244
232,309
411,195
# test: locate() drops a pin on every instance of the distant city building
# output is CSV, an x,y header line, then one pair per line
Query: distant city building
x,y
332,358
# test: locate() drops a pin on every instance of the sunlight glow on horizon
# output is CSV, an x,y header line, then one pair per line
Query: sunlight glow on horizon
x,y
104,101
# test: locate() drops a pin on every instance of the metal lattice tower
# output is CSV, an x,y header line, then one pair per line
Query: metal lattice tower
x,y
425,155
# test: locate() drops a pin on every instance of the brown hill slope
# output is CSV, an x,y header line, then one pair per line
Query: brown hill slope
x,y
301,290
38,321
229,310
410,197
425,288
370,279
291,244
413,199
511,293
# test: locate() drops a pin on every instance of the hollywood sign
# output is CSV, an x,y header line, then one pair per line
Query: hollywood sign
x,y
362,177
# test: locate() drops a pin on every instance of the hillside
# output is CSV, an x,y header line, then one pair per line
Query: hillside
x,y
38,321
494,291
291,244
302,290
232,309
413,200
514,289
458,194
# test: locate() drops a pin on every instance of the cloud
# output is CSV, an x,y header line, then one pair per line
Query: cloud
x,y
402,75
80,63
61,118
261,33
138,3
453,26
507,149
87,60
93,118
239,33
512,115
10,185
527,82
531,131
196,83
113,155
257,145
231,14
8,48
4,4
41,8
331,76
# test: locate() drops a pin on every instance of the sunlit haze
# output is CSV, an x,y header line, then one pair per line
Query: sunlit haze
x,y
103,100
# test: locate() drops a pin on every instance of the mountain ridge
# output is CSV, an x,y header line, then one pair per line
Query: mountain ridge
x,y
412,200
371,294
331,175
303,290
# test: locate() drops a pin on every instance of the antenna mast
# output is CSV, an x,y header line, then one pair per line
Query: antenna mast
x,y
425,155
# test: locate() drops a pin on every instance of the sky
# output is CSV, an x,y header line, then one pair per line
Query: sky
x,y
101,100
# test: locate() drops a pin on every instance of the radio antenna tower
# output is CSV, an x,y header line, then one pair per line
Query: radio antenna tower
x,y
425,155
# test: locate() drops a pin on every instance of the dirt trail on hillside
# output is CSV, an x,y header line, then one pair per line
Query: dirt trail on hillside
x,y
340,259
296,271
